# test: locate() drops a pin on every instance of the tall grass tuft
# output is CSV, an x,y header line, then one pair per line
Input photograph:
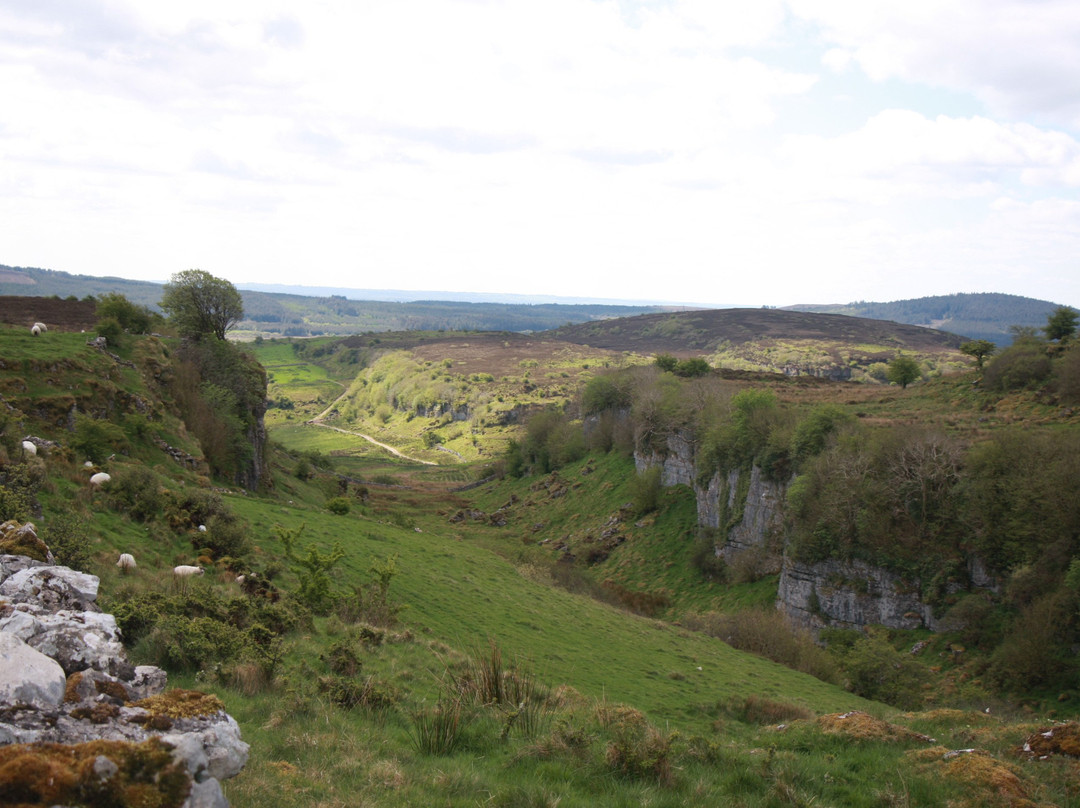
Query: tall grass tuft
x,y
438,730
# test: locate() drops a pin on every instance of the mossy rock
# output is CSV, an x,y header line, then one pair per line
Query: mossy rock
x,y
180,703
98,774
22,540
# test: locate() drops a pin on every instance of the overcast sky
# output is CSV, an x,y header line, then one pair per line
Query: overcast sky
x,y
706,151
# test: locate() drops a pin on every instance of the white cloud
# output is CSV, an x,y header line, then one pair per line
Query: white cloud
x,y
572,145
1019,56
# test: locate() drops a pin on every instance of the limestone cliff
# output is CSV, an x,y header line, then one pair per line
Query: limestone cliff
x,y
746,509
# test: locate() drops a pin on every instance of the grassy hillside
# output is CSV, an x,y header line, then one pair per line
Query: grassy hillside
x,y
509,677
984,315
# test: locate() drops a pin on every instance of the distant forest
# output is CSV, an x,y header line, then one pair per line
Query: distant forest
x,y
981,315
272,314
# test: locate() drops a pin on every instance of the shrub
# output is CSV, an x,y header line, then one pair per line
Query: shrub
x,y
338,505
641,751
96,440
19,484
134,490
768,634
180,643
226,535
875,670
130,317
65,534
342,659
110,328
705,560
645,490
1023,364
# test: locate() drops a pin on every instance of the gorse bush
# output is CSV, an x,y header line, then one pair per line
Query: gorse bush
x,y
1023,364
95,439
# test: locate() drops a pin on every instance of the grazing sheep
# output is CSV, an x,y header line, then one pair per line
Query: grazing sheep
x,y
126,562
202,528
40,326
29,448
99,479
35,331
182,573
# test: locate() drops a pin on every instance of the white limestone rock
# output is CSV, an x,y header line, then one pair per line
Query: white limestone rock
x,y
28,676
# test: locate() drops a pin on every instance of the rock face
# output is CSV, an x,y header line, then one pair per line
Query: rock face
x,y
64,678
850,595
751,513
748,513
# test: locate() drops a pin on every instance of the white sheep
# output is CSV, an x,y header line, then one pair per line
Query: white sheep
x,y
35,331
202,528
29,447
41,327
182,573
126,562
99,479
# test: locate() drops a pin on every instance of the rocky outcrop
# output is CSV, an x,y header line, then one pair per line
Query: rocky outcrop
x,y
744,506
746,509
676,464
65,679
851,594
749,513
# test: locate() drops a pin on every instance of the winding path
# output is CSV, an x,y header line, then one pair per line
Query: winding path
x,y
318,421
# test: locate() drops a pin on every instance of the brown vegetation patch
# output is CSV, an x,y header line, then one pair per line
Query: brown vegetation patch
x,y
180,703
59,315
1063,739
990,781
699,332
98,774
864,727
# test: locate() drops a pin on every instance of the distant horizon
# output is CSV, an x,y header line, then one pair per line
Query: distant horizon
x,y
390,295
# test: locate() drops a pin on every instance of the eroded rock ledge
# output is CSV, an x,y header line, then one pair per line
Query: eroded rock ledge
x,y
65,679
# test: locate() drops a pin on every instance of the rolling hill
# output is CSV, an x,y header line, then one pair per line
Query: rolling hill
x,y
982,315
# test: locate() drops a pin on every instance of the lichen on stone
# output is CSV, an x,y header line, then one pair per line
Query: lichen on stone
x,y
179,703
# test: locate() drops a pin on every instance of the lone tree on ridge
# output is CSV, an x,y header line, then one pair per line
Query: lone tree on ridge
x,y
198,304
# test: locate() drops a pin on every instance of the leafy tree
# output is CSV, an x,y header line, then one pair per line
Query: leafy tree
x,y
133,318
666,362
980,349
1061,324
692,368
903,370
199,304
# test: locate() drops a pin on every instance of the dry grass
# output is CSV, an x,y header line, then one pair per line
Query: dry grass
x,y
864,727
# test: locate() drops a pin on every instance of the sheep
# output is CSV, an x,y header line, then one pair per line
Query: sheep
x,y
182,573
40,327
29,447
99,479
35,331
126,562
202,528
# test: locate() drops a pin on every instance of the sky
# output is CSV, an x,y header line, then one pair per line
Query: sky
x,y
771,152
